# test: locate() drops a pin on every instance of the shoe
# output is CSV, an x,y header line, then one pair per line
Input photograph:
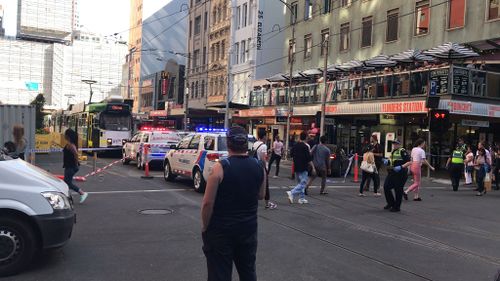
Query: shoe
x,y
479,194
387,207
275,177
394,210
405,196
303,201
290,196
417,199
271,206
84,197
377,194
323,193
305,191
361,195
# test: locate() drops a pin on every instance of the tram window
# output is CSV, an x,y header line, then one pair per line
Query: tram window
x,y
115,122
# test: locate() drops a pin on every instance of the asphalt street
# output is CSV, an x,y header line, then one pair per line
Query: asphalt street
x,y
340,236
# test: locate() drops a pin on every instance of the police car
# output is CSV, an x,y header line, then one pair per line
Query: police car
x,y
195,156
158,140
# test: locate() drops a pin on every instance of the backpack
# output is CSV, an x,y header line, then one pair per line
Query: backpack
x,y
253,153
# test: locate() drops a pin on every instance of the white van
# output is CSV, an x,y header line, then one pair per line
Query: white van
x,y
36,213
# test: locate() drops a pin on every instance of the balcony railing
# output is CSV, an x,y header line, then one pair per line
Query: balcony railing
x,y
405,84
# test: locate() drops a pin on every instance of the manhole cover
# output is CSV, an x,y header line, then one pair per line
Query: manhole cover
x,y
156,212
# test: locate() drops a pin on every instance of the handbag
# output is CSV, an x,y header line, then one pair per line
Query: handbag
x,y
365,166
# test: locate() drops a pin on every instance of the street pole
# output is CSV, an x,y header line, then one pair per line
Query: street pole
x,y
323,97
228,94
186,110
429,142
292,59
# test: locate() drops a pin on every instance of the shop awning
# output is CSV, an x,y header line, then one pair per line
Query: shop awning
x,y
380,61
412,55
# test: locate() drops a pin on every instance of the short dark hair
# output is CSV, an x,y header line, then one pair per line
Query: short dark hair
x,y
303,136
323,139
419,142
237,139
261,134
72,136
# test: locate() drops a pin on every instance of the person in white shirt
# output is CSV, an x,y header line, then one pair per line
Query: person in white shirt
x,y
260,152
417,159
469,166
276,154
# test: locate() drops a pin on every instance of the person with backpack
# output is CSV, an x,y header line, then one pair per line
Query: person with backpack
x,y
321,160
259,151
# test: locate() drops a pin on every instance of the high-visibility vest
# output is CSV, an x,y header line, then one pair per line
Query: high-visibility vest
x,y
396,156
457,156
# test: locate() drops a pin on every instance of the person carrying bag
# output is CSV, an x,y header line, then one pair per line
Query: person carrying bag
x,y
368,171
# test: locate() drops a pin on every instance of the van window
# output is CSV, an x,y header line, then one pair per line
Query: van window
x,y
209,143
185,142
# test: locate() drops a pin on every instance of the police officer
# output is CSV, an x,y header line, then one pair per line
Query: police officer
x,y
397,174
455,164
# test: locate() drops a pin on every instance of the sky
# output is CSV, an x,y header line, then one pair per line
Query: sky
x,y
100,16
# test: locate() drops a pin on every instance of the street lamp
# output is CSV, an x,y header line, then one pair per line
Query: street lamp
x,y
292,59
89,82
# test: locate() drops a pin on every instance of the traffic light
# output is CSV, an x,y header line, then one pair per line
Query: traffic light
x,y
439,120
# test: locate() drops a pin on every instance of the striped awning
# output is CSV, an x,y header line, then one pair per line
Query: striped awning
x,y
277,78
412,55
451,51
312,72
380,61
351,66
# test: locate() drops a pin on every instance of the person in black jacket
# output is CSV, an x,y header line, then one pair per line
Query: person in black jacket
x,y
397,174
70,162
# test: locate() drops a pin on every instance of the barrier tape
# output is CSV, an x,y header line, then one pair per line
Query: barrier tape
x,y
80,149
100,170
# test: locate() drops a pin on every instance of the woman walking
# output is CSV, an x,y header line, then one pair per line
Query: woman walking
x,y
276,153
480,166
368,171
417,159
469,166
70,162
19,140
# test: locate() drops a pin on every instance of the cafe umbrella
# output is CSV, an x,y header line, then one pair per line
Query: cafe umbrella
x,y
451,51
411,56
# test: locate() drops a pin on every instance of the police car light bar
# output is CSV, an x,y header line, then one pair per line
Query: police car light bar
x,y
210,130
146,128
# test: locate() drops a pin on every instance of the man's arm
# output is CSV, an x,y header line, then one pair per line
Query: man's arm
x,y
262,190
207,205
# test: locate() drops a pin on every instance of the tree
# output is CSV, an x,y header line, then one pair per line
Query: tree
x,y
39,103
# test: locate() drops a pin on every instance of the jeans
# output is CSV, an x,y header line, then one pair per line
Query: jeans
x,y
320,172
222,247
274,157
480,175
416,170
302,178
68,178
365,177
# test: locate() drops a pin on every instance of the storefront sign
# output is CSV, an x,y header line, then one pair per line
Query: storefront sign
x,y
389,119
281,111
475,123
259,29
269,121
296,120
440,77
306,110
281,120
216,99
460,81
377,108
258,112
329,121
158,113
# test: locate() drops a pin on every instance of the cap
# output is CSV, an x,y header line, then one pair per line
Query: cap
x,y
396,141
237,134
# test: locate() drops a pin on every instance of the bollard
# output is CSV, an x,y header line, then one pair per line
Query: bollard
x,y
356,168
146,159
95,161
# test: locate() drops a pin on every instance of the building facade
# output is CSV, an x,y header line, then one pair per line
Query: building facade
x,y
390,102
50,21
219,40
197,70
2,29
135,52
257,38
